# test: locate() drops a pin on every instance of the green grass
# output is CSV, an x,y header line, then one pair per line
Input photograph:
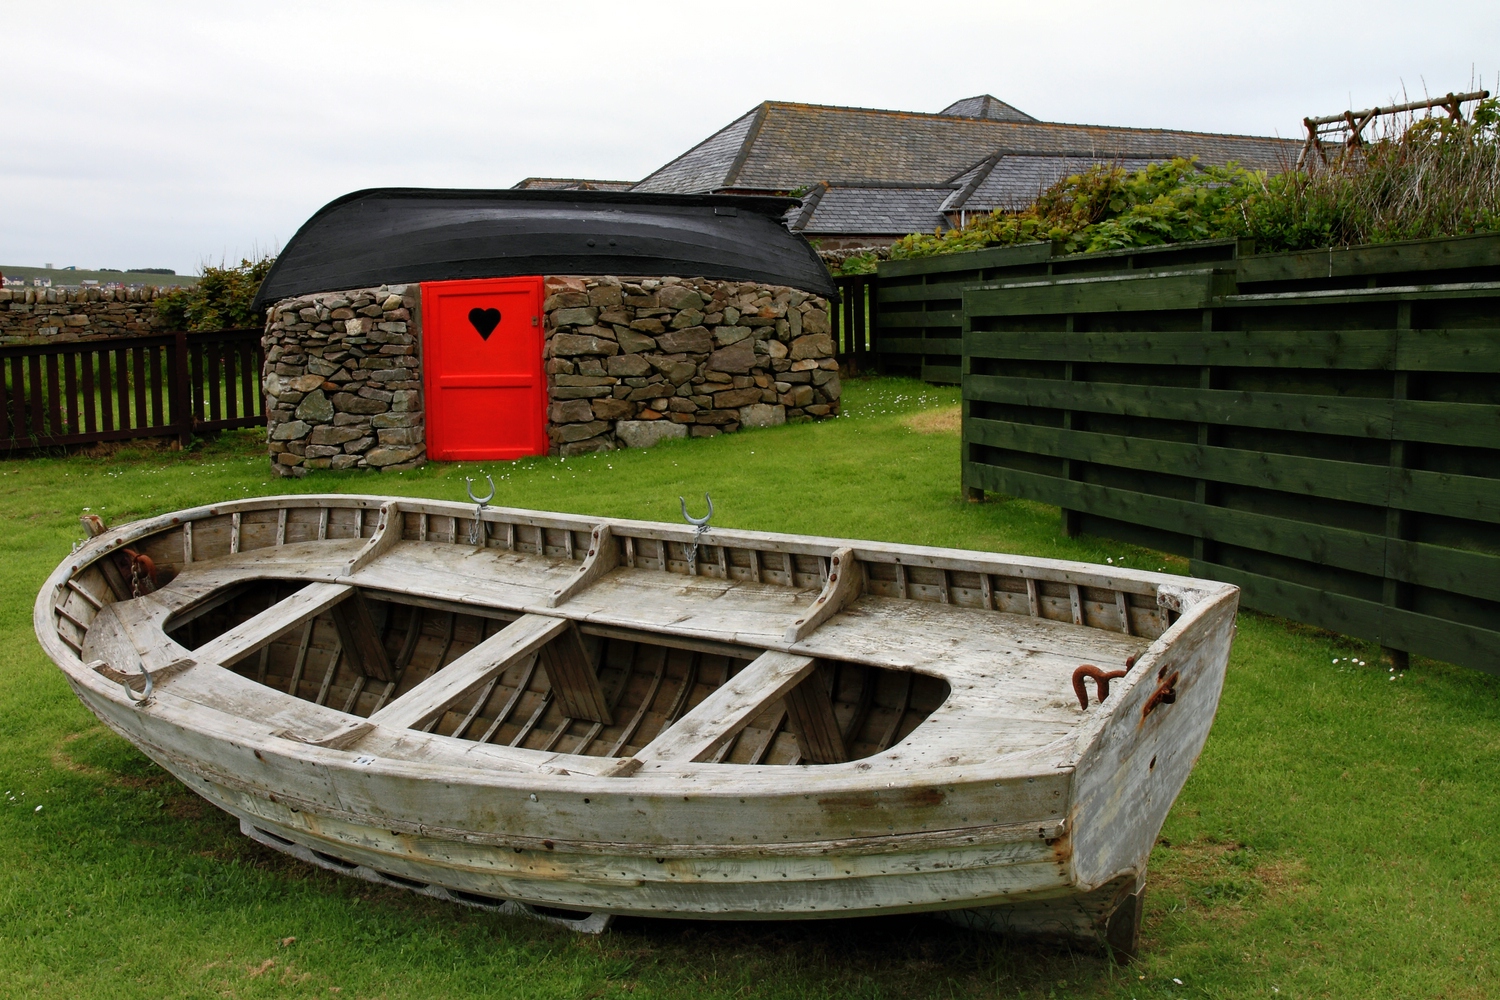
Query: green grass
x,y
1337,838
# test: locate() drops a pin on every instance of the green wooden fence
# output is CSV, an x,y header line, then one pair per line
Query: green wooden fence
x,y
1322,428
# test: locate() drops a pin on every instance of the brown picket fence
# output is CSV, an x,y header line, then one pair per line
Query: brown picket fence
x,y
162,385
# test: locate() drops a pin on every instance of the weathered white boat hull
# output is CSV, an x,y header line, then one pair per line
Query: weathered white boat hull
x,y
1050,837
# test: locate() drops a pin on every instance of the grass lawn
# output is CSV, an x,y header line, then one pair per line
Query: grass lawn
x,y
1337,838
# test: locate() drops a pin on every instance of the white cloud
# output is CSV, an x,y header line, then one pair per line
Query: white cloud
x,y
162,134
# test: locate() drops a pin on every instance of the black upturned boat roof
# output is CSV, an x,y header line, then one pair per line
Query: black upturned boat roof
x,y
403,235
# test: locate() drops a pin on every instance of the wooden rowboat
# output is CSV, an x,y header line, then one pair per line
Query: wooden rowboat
x,y
575,717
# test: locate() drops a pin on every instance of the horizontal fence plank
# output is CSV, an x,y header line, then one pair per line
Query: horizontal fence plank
x,y
950,318
1458,571
1470,497
945,291
1024,253
1351,417
1469,424
1426,635
1352,481
1360,296
1476,350
1356,551
1108,293
1358,349
1361,262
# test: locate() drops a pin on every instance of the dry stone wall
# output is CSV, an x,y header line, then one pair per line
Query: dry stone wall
x,y
60,315
631,361
343,381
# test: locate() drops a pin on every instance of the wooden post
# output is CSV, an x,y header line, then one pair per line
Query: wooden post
x,y
181,399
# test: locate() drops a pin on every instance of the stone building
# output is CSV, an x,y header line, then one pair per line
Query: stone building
x,y
403,325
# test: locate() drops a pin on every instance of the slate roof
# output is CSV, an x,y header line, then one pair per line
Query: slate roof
x,y
871,211
781,146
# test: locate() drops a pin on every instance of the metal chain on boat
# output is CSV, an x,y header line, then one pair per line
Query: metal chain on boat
x,y
700,527
478,532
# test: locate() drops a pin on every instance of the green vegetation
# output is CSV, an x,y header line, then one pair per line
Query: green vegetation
x,y
1335,839
1430,177
219,301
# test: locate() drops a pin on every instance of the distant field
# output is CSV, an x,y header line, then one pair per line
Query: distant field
x,y
61,277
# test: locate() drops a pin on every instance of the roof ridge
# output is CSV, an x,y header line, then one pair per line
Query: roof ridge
x,y
745,145
758,109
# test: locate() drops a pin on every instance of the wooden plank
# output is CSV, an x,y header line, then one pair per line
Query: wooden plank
x,y
1152,292
360,638
1322,349
811,719
718,718
603,555
1021,254
1353,417
1358,482
1427,635
271,624
949,318
573,679
845,581
1471,350
1342,547
1470,425
1448,253
471,671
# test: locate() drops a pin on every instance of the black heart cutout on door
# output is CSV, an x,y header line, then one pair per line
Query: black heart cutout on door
x,y
485,321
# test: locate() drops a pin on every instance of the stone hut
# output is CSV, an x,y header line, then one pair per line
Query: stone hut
x,y
406,325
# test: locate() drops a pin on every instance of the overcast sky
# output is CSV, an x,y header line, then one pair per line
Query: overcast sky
x,y
170,135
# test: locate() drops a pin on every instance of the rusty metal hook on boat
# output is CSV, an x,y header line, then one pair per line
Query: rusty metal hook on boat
x,y
477,530
1165,693
1101,680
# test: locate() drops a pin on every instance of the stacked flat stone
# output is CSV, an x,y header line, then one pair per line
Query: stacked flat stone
x,y
343,381
633,361
64,315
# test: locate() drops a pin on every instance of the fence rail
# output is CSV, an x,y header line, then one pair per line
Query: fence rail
x,y
162,385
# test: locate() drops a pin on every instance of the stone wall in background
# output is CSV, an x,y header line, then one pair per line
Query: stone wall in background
x,y
631,361
343,381
56,315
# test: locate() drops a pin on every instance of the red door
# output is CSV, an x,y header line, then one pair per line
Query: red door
x,y
482,353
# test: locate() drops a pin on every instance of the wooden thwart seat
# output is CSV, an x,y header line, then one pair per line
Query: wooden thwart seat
x,y
718,718
271,624
574,683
